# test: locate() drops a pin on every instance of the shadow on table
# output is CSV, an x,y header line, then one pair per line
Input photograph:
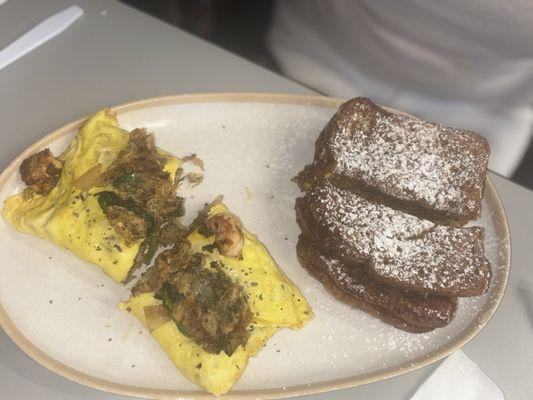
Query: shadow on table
x,y
525,295
14,360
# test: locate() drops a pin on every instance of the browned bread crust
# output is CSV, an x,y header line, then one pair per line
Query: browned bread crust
x,y
396,248
423,168
352,285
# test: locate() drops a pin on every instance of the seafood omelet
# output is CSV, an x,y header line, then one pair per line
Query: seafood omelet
x,y
213,296
63,201
262,298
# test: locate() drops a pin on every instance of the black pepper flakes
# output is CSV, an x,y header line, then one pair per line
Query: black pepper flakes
x,y
198,366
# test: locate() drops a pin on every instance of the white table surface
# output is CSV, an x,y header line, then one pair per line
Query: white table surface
x,y
115,54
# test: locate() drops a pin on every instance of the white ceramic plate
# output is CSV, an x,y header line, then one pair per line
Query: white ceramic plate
x,y
63,311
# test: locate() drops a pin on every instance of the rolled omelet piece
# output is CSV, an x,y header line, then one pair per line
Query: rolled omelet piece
x,y
275,303
70,215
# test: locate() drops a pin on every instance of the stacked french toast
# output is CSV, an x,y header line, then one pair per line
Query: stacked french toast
x,y
383,215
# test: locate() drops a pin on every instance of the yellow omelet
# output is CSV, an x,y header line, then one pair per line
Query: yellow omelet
x,y
275,303
72,217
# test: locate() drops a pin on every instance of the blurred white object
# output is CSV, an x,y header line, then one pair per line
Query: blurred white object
x,y
458,378
2,2
467,64
39,34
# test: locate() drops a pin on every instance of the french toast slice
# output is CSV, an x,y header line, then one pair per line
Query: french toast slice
x,y
423,168
396,248
352,285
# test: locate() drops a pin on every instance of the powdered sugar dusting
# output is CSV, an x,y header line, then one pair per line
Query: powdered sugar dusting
x,y
402,305
342,277
410,251
441,168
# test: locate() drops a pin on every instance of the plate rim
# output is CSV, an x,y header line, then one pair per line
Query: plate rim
x,y
74,375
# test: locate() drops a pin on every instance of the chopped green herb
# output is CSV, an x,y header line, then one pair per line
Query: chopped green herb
x,y
208,247
127,179
169,296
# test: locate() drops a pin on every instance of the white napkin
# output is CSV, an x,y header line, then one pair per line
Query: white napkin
x,y
458,378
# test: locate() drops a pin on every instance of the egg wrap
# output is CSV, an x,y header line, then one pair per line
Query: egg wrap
x,y
72,217
274,301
